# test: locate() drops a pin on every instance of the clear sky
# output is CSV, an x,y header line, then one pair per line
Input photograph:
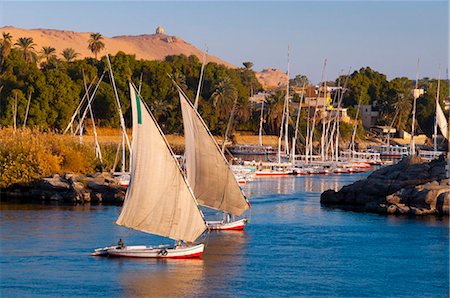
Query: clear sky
x,y
387,36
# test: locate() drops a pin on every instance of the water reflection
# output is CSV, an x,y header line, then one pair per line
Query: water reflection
x,y
180,278
221,263
296,184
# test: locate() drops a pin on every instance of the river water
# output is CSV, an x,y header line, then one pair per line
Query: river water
x,y
292,247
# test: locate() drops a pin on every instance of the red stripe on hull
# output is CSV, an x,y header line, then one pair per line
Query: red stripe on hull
x,y
280,174
238,228
191,256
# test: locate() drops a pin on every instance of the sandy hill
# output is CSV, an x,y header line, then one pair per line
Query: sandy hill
x,y
271,78
148,46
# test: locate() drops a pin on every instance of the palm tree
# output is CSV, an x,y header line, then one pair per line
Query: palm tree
x,y
69,54
160,108
26,46
95,43
243,111
5,46
224,96
48,53
275,107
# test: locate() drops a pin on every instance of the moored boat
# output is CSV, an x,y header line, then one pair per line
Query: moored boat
x,y
207,170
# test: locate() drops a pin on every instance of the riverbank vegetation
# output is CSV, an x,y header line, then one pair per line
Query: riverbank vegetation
x,y
27,155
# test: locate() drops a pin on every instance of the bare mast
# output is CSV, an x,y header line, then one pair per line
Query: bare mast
x,y
261,121
200,80
415,96
435,117
286,125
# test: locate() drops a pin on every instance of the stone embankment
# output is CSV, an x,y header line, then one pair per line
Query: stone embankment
x,y
410,187
98,188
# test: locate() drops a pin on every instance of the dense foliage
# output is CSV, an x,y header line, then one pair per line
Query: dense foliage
x,y
56,87
27,155
36,85
394,98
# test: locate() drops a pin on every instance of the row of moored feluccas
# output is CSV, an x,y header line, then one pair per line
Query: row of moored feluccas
x,y
162,200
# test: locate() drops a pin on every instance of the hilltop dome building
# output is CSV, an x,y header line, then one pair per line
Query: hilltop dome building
x,y
159,30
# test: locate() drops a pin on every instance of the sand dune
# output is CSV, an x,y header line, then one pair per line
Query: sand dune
x,y
271,78
148,46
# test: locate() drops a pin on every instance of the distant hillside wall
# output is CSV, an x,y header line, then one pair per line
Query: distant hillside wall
x,y
147,46
271,78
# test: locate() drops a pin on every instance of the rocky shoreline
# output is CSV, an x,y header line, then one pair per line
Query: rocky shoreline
x,y
410,187
69,188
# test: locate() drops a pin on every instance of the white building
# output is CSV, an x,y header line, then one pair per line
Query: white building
x,y
369,115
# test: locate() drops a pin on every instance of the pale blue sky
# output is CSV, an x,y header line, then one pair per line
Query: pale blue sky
x,y
388,36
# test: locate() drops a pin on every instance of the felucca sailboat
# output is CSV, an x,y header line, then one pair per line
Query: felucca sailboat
x,y
159,200
209,173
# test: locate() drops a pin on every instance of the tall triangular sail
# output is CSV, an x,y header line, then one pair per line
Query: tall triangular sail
x,y
158,200
208,172
441,120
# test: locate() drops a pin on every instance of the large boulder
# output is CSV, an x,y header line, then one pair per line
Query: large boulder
x,y
71,188
408,187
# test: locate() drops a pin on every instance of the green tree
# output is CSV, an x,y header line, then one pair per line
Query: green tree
x,y
399,99
5,46
299,81
275,106
365,86
160,109
26,46
69,54
224,96
96,44
48,53
248,64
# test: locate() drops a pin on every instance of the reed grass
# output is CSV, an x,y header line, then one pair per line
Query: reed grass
x,y
27,155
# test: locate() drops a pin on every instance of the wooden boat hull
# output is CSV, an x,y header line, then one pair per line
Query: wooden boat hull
x,y
237,225
159,252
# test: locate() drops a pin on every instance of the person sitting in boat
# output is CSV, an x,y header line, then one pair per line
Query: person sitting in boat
x,y
120,243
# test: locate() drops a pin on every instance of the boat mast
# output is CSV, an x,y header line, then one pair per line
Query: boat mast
x,y
328,133
27,110
98,152
339,116
230,121
200,80
415,96
311,135
352,145
307,131
119,107
15,111
322,139
390,127
78,108
294,140
435,117
261,120
90,100
286,125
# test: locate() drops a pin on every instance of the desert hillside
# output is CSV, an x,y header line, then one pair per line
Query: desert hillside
x,y
272,78
147,46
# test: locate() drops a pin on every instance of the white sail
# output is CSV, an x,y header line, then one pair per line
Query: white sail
x,y
208,172
441,121
159,200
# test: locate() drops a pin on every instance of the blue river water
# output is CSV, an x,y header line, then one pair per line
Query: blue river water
x,y
292,247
